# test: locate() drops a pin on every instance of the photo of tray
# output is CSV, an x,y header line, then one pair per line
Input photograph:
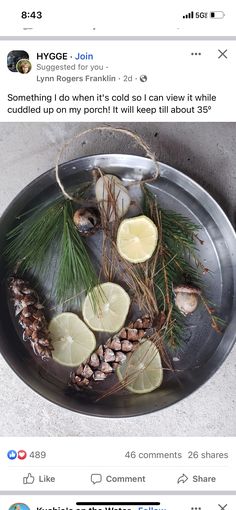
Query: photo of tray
x,y
203,350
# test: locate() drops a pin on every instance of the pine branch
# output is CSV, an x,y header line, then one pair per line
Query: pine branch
x,y
44,231
31,239
37,228
177,260
75,268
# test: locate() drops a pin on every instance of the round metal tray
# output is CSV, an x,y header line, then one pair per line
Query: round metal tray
x,y
203,350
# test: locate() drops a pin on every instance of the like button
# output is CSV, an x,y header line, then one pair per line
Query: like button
x,y
29,479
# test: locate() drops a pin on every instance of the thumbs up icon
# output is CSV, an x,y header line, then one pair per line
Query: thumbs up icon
x,y
29,479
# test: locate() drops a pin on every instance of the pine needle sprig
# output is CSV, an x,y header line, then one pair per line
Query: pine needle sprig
x,y
138,278
216,322
37,228
177,260
75,267
166,276
181,235
31,239
44,231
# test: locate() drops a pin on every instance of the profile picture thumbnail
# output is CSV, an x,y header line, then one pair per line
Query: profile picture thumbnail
x,y
19,506
13,57
23,66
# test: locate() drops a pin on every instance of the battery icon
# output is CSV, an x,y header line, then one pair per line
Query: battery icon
x,y
217,14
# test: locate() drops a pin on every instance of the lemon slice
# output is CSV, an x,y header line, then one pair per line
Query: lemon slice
x,y
137,239
72,340
112,306
142,371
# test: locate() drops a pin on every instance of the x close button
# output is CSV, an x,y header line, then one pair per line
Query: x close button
x,y
222,54
222,507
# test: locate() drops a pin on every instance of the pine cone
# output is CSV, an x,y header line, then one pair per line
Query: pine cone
x,y
107,357
31,317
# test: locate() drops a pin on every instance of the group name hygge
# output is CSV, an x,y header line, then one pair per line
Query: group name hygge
x,y
82,57
64,56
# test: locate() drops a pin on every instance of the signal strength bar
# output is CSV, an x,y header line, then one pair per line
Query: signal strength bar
x,y
190,15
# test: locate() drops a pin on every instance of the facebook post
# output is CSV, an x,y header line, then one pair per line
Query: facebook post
x,y
117,269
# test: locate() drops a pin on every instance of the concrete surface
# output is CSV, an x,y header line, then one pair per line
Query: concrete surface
x,y
206,152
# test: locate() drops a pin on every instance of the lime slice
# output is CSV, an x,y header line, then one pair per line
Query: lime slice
x,y
110,312
72,340
142,371
137,239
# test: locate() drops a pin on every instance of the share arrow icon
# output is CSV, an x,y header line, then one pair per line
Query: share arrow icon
x,y
182,479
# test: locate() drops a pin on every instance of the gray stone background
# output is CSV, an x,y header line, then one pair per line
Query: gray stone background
x,y
205,152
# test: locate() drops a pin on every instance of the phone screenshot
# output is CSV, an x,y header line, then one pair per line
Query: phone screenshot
x,y
117,255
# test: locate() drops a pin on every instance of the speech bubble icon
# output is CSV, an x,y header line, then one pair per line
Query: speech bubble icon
x,y
96,478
